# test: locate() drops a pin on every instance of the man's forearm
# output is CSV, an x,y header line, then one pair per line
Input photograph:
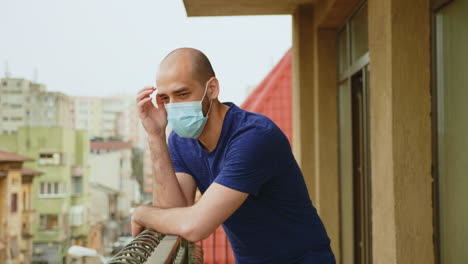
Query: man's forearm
x,y
166,189
173,221
194,222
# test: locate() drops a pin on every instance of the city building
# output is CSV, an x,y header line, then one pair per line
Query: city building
x,y
112,118
30,216
114,190
16,213
61,195
379,121
25,103
86,113
108,118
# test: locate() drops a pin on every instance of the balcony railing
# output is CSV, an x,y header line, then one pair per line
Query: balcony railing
x,y
154,248
77,171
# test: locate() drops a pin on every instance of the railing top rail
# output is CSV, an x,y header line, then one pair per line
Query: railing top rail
x,y
139,249
154,248
166,251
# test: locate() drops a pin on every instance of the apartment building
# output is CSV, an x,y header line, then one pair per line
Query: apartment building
x,y
25,103
61,195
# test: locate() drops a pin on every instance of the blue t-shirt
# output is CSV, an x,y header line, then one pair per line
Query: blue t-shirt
x,y
277,223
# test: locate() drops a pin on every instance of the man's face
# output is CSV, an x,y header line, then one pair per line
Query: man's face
x,y
178,85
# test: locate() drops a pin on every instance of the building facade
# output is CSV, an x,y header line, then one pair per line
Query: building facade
x,y
111,117
16,214
378,121
115,191
86,113
25,103
29,217
60,197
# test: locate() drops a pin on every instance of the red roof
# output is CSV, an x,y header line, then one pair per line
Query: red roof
x,y
110,145
7,156
273,96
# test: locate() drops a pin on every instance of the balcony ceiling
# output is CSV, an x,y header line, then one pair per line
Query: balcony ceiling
x,y
242,7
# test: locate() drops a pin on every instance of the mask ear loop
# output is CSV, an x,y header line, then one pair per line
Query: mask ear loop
x,y
209,109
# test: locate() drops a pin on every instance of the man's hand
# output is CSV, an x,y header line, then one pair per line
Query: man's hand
x,y
154,119
137,227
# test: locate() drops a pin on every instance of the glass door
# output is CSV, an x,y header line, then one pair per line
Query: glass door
x,y
354,165
451,90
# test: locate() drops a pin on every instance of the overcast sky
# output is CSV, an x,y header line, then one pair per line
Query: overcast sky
x,y
103,47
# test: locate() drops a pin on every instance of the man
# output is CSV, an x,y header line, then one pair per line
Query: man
x,y
240,161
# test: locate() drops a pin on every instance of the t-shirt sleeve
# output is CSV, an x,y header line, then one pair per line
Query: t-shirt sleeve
x,y
248,161
177,162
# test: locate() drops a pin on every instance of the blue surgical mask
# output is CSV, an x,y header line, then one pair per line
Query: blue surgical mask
x,y
186,118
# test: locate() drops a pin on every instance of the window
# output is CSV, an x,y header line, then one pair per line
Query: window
x,y
16,118
50,101
358,34
76,215
343,60
353,118
52,189
48,222
24,202
353,48
77,185
451,61
51,159
14,202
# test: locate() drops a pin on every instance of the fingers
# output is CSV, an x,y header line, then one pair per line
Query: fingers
x,y
144,93
136,229
143,102
160,102
146,88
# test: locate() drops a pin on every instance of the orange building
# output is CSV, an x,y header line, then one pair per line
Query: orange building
x,y
16,214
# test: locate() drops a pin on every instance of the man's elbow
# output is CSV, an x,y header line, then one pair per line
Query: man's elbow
x,y
194,233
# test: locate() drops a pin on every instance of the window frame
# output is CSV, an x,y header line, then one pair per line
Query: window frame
x,y
436,6
46,216
14,203
53,189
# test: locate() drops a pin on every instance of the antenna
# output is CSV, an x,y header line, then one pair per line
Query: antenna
x,y
36,75
7,70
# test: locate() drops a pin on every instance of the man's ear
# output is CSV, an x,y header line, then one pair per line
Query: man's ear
x,y
213,88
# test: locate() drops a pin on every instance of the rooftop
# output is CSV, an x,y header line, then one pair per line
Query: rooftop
x,y
30,172
7,156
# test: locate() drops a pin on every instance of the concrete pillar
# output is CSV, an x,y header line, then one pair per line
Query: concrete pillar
x,y
400,131
303,95
326,137
315,117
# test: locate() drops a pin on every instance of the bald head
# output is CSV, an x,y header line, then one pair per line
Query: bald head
x,y
189,60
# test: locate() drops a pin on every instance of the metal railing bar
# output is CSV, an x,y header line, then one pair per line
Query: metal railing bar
x,y
166,250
